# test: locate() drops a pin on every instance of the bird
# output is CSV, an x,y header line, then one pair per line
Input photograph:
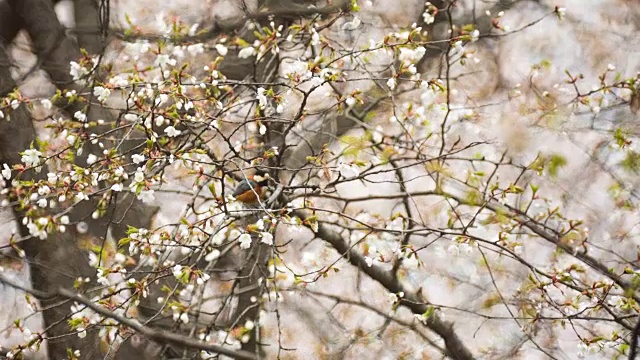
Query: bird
x,y
251,189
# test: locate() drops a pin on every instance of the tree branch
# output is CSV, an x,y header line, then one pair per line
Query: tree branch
x,y
549,236
634,341
455,347
161,336
275,8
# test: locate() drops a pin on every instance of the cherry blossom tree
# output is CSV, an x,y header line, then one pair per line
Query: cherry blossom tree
x,y
422,200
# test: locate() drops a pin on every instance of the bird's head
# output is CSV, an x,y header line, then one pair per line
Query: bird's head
x,y
261,177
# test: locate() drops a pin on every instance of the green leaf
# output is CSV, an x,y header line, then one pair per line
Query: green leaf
x,y
430,310
127,18
620,137
534,188
474,197
623,348
131,230
631,162
355,144
124,241
555,163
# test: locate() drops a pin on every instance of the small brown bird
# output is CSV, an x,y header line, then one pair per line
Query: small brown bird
x,y
251,189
